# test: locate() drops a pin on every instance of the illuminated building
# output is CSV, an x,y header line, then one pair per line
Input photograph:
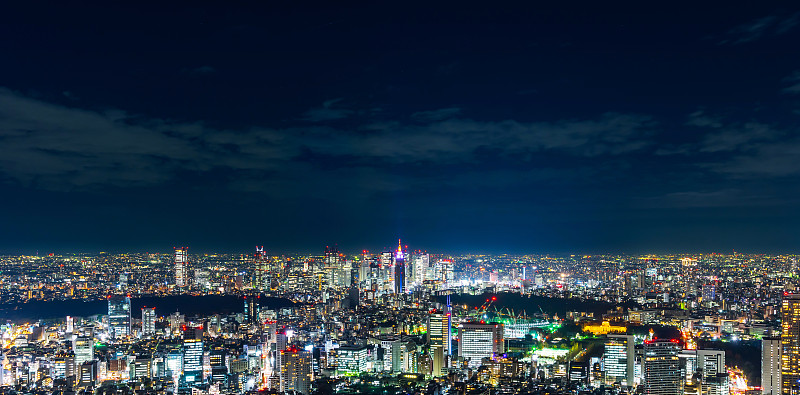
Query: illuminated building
x,y
790,344
662,374
63,367
351,360
296,370
437,332
262,278
771,366
421,263
477,341
87,373
399,269
193,355
119,316
714,374
83,347
618,358
148,321
604,329
219,369
251,308
181,263
174,364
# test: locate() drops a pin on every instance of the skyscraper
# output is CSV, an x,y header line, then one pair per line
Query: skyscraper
x,y
193,355
262,278
771,366
148,321
181,261
437,331
790,344
714,380
119,316
295,370
662,374
399,269
477,341
83,347
618,359
421,263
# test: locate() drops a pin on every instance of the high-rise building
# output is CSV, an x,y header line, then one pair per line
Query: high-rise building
x,y
438,331
421,264
790,344
714,374
193,355
351,360
70,324
148,321
771,366
119,316
618,359
295,370
181,263
477,341
219,369
399,269
661,369
83,347
262,275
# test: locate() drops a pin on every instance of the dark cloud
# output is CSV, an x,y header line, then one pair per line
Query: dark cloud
x,y
50,146
759,28
794,83
328,112
436,115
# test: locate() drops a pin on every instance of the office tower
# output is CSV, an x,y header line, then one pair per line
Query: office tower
x,y
83,347
119,316
662,374
87,374
790,344
399,269
219,368
477,341
252,308
193,355
714,374
174,364
421,263
351,360
70,324
448,336
618,359
437,331
141,368
262,278
295,370
771,366
181,263
63,367
148,321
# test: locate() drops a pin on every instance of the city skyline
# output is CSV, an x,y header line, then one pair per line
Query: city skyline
x,y
528,128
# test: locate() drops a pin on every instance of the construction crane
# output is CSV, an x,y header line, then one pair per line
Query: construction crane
x,y
479,311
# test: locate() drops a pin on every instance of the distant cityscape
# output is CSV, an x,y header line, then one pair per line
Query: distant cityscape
x,y
403,321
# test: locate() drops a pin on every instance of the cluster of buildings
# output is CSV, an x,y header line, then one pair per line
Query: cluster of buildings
x,y
398,321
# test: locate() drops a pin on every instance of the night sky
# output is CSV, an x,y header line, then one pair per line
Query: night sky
x,y
490,127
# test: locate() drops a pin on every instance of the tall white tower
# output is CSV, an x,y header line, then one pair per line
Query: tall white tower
x,y
181,261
